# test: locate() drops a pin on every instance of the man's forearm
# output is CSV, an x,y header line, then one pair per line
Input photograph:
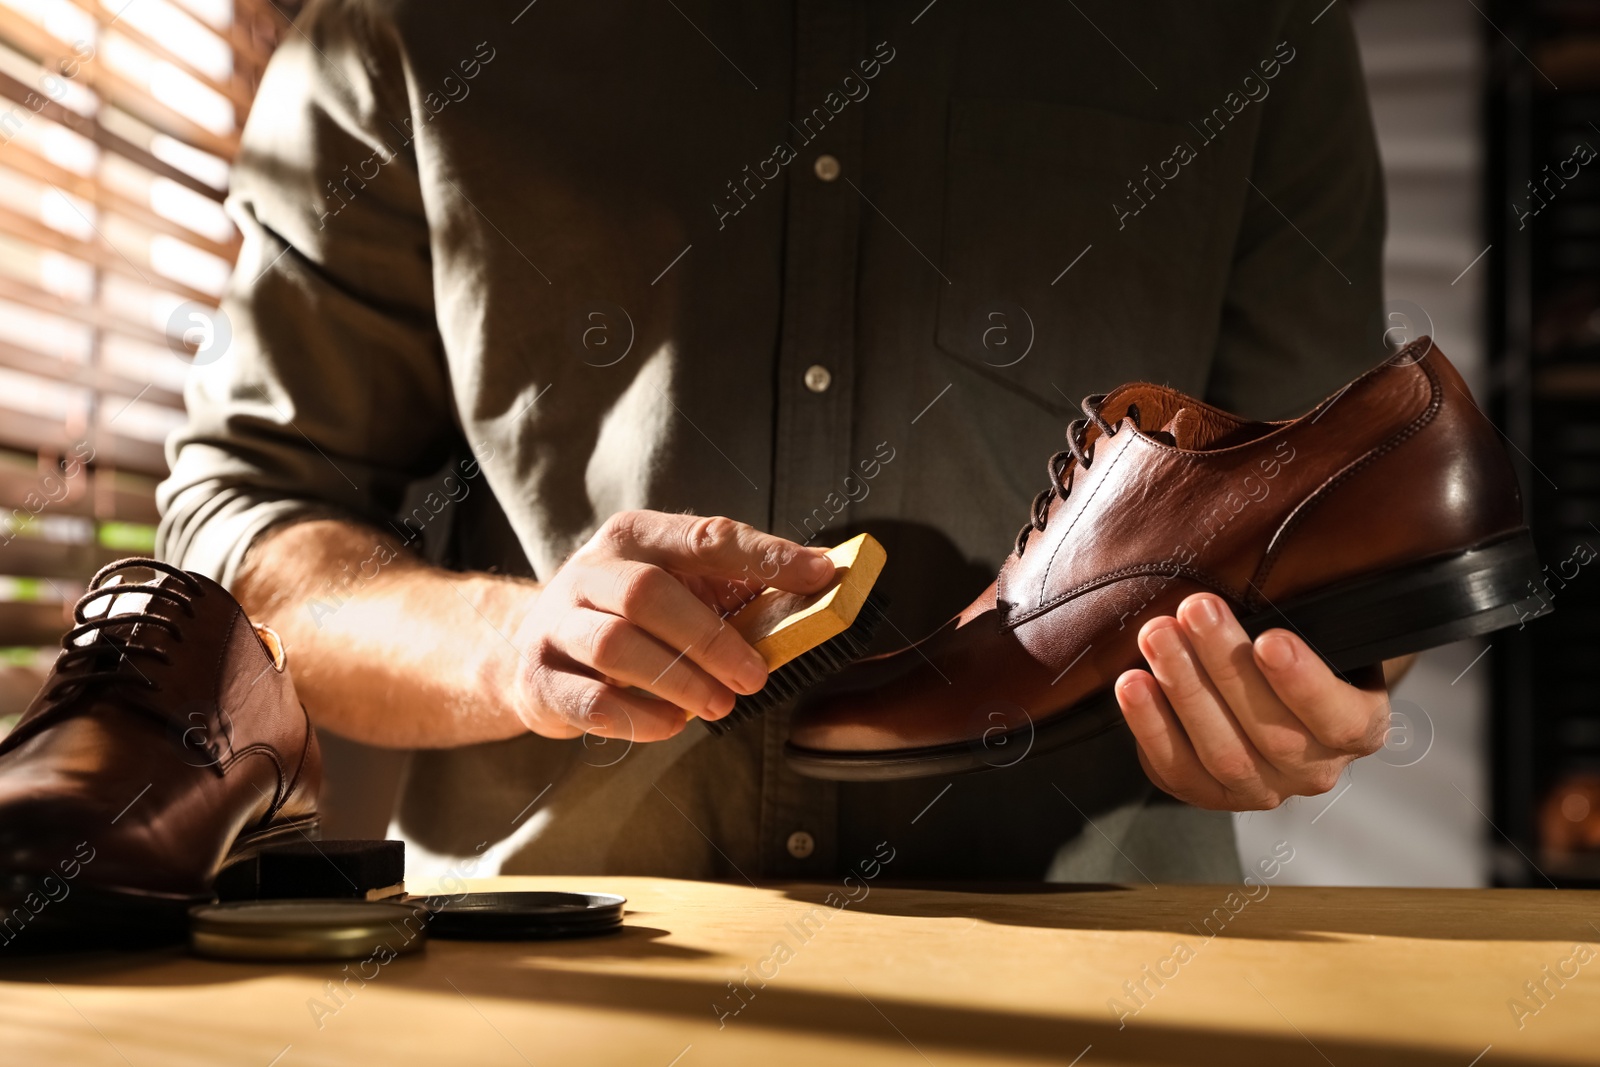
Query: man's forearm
x,y
628,638
386,648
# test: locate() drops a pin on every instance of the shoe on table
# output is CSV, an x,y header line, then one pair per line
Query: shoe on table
x,y
1384,521
166,744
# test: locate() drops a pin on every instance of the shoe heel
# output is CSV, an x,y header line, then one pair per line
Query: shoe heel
x,y
1367,620
249,845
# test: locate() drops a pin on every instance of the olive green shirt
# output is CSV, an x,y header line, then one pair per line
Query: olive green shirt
x,y
820,266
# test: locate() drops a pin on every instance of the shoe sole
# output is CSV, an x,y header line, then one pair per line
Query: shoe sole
x,y
93,915
1351,624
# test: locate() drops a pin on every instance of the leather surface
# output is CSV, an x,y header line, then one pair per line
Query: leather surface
x,y
158,771
1397,467
1471,493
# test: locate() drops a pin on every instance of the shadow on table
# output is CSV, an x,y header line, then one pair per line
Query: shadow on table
x,y
945,1028
63,957
512,973
562,974
1283,913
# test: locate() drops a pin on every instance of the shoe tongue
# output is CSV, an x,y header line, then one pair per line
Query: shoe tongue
x,y
1183,429
1153,406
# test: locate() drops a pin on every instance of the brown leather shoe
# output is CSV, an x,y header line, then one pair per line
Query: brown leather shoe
x,y
1384,521
166,744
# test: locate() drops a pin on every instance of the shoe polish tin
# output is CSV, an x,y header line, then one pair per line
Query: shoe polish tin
x,y
307,929
528,916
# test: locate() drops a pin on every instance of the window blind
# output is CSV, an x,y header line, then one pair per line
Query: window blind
x,y
119,121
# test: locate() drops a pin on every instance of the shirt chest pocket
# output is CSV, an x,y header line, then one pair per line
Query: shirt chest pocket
x,y
1083,248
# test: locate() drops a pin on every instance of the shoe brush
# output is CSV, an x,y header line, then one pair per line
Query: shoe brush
x,y
808,638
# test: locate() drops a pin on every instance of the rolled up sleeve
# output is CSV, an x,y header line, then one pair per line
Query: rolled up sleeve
x,y
333,394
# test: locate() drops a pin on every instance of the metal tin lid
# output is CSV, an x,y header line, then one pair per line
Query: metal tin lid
x,y
522,916
307,929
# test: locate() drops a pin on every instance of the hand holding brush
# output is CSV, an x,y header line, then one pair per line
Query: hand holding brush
x,y
644,605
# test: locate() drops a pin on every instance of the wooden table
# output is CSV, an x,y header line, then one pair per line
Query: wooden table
x,y
917,976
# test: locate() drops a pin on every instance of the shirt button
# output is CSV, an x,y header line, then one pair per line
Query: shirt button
x,y
801,844
818,378
826,167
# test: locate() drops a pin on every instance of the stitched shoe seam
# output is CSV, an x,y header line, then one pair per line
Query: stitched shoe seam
x,y
1105,477
1418,423
1274,554
1111,577
260,748
215,723
305,754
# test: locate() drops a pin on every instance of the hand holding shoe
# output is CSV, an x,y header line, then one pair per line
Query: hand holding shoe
x,y
1162,505
1230,725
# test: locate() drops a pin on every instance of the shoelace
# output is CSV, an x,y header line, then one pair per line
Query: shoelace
x,y
1076,450
81,666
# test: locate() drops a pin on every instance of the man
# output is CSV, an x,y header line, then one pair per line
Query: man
x,y
611,288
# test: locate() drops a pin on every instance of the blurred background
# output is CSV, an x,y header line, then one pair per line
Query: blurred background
x,y
118,123
1484,112
119,120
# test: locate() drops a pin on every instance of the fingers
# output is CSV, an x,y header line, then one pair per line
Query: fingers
x,y
1222,722
575,704
718,547
723,595
1341,716
1222,745
1164,750
621,652
663,607
1224,652
637,606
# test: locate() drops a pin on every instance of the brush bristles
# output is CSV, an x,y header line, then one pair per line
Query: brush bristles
x,y
807,669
